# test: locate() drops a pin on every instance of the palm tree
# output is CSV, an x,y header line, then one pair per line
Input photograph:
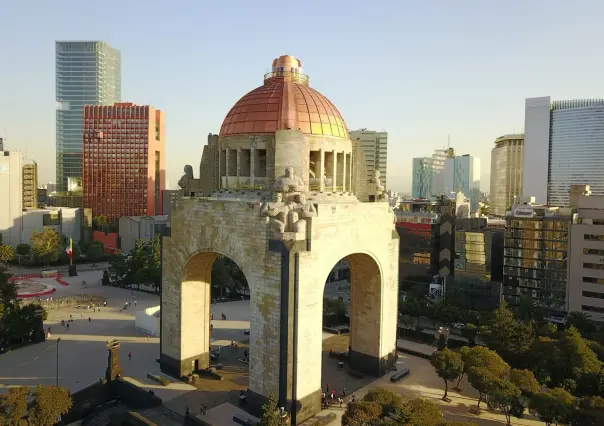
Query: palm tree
x,y
529,310
580,320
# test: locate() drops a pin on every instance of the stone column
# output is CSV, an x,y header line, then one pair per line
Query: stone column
x,y
226,168
350,173
252,166
321,170
238,165
335,171
219,169
344,172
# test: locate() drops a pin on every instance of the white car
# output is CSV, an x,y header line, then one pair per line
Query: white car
x,y
459,325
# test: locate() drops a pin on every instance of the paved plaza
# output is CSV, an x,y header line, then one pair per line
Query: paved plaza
x,y
83,357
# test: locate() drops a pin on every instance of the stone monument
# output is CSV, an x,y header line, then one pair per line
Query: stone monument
x,y
285,238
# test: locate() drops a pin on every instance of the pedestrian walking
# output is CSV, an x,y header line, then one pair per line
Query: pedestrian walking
x,y
67,326
81,314
340,401
135,303
130,356
89,319
147,337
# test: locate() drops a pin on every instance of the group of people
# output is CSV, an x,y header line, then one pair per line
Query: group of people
x,y
332,397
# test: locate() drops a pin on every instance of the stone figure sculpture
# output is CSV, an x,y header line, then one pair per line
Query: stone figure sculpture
x,y
377,187
186,181
300,213
276,211
289,182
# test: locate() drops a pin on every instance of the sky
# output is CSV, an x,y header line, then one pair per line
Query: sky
x,y
422,70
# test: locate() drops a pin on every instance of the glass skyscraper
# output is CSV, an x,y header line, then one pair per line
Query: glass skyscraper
x,y
87,73
563,146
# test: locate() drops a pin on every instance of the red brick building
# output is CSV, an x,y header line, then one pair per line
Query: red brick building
x,y
123,167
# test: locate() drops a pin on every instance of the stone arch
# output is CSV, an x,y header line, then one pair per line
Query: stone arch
x,y
367,344
195,304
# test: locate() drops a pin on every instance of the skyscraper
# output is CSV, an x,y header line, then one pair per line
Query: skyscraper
x,y
375,147
427,179
11,194
563,146
462,174
87,73
123,160
506,173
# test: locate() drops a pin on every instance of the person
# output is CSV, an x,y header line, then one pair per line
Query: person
x,y
81,314
187,411
340,401
135,303
67,326
105,303
130,356
89,319
147,337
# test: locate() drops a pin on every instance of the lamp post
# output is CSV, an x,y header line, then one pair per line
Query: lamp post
x,y
58,340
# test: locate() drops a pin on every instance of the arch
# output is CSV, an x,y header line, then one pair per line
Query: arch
x,y
195,304
367,342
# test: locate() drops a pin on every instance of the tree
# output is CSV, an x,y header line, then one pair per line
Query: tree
x,y
420,412
525,381
552,407
13,406
270,413
482,357
572,358
45,245
581,321
481,379
23,249
405,322
508,337
7,253
46,404
448,365
50,403
95,251
503,394
388,400
226,275
588,412
118,268
529,310
362,413
100,222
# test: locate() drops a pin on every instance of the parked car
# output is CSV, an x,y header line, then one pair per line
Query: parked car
x,y
246,332
459,325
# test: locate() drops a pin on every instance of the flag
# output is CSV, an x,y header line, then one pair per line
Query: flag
x,y
69,250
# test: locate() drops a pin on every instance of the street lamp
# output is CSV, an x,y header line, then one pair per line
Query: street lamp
x,y
58,340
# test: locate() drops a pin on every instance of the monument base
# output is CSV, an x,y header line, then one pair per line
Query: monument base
x,y
72,271
372,365
178,368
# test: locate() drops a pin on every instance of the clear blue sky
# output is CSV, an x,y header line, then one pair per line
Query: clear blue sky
x,y
419,69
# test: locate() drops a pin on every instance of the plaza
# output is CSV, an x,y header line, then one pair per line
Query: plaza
x,y
83,357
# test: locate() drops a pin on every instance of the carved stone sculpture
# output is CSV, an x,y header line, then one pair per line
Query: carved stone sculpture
x,y
289,182
276,211
187,182
301,212
377,189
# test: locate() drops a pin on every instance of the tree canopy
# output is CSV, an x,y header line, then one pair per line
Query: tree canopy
x,y
448,365
46,245
41,406
270,413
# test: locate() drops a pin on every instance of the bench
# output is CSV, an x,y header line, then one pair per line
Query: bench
x,y
399,375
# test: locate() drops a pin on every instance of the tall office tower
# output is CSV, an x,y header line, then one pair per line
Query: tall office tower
x,y
375,147
87,73
11,194
30,186
427,179
563,146
506,173
462,174
123,160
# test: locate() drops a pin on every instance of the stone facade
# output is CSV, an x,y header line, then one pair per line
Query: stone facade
x,y
229,223
278,200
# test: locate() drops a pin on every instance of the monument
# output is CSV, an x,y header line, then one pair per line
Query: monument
x,y
278,198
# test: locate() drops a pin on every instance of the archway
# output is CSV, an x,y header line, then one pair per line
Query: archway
x,y
352,316
218,311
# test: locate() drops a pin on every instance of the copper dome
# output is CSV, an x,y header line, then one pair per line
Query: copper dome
x,y
285,101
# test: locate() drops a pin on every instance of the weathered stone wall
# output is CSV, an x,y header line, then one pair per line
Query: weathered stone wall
x,y
208,167
234,229
365,234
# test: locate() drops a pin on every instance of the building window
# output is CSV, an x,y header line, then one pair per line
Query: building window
x,y
51,219
596,252
592,309
592,280
593,294
599,266
592,237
